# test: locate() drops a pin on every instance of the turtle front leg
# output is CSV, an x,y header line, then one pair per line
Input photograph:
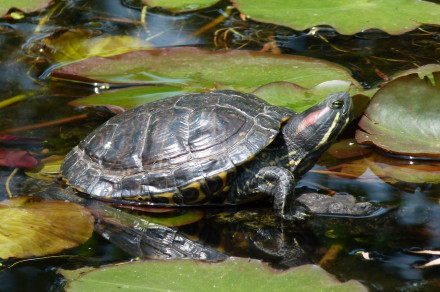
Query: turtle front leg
x,y
273,181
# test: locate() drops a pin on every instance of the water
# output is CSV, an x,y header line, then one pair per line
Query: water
x,y
410,211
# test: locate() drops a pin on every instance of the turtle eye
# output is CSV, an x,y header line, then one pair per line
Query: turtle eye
x,y
337,104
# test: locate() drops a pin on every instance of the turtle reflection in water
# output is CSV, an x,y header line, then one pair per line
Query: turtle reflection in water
x,y
222,147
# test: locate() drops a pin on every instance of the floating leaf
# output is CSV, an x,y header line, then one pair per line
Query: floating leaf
x,y
180,5
298,98
403,117
346,16
37,229
234,69
24,5
235,274
16,158
129,97
80,44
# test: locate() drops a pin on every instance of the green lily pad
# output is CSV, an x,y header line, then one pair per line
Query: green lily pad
x,y
129,97
30,228
80,44
346,16
235,274
188,66
180,5
298,98
403,117
24,5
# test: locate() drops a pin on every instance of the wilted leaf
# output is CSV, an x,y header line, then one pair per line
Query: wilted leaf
x,y
37,229
346,16
234,69
235,274
129,97
180,5
80,44
24,5
16,158
403,117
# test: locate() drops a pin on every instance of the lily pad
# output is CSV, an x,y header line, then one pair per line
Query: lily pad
x,y
295,97
422,71
393,170
189,66
78,44
346,16
403,117
29,228
24,5
129,97
235,274
180,5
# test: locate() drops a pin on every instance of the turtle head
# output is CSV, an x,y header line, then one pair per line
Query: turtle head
x,y
311,133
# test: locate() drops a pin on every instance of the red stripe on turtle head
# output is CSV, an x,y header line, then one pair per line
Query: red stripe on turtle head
x,y
311,119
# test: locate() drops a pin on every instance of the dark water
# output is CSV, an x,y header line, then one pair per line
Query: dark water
x,y
410,212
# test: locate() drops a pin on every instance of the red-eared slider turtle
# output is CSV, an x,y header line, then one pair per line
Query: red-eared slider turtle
x,y
222,147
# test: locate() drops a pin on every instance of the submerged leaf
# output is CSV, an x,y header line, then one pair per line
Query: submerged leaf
x,y
346,16
80,44
235,274
403,117
16,158
48,169
37,229
235,69
4,138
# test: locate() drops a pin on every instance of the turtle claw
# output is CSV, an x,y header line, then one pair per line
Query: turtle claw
x,y
298,214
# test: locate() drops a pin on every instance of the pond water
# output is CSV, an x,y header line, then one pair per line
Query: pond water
x,y
375,249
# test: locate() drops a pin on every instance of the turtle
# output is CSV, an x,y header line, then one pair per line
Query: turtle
x,y
207,148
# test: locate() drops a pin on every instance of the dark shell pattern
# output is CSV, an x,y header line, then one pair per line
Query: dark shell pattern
x,y
180,150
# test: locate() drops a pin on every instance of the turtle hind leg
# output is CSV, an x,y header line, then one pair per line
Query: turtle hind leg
x,y
273,181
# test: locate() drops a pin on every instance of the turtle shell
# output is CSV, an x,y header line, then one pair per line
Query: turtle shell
x,y
179,150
